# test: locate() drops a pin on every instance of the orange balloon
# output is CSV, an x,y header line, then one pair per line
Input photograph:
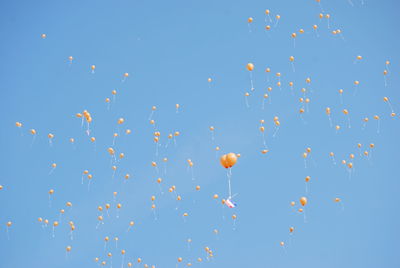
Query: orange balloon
x,y
231,159
303,201
250,66
223,161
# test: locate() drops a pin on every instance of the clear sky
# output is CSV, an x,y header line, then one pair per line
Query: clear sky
x,y
170,49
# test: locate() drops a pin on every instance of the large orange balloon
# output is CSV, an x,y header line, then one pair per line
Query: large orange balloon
x,y
231,159
223,161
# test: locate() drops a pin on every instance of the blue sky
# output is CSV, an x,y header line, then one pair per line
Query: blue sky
x,y
170,49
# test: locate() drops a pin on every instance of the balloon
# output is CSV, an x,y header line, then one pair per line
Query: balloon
x,y
328,110
111,151
223,161
303,201
250,66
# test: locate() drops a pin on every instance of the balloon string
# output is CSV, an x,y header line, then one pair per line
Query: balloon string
x,y
229,174
263,138
251,81
151,114
390,106
316,32
33,140
348,120
355,90
156,149
364,125
276,131
333,159
379,126
247,102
